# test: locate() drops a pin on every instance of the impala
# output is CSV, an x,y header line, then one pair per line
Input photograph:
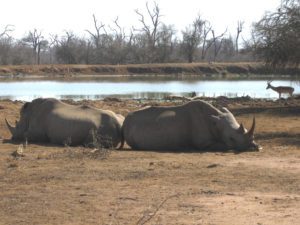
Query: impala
x,y
281,89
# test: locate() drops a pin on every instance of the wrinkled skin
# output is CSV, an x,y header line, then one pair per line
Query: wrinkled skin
x,y
194,125
50,120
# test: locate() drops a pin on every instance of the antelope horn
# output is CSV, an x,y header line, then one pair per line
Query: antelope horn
x,y
251,131
10,127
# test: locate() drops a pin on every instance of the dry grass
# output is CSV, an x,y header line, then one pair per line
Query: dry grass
x,y
99,147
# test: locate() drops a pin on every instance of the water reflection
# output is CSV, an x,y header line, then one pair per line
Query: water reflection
x,y
138,88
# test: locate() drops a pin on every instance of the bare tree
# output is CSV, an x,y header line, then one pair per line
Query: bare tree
x,y
192,37
239,29
165,43
227,49
6,44
53,42
118,31
207,28
7,29
150,30
65,50
189,43
97,35
101,42
71,49
217,42
36,40
117,46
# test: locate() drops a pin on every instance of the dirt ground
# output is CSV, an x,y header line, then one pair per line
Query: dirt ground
x,y
64,185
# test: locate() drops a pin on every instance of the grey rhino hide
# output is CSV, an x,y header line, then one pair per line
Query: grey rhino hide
x,y
50,120
194,125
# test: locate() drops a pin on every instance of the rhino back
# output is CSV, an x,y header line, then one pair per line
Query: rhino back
x,y
155,129
75,123
179,127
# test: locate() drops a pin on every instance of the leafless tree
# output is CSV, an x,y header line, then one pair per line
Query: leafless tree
x,y
117,46
207,27
72,49
36,40
239,29
165,43
152,41
6,44
150,30
65,50
53,42
7,29
217,42
118,31
192,37
100,39
97,35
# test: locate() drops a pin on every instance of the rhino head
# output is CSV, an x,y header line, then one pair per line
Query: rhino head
x,y
18,131
234,135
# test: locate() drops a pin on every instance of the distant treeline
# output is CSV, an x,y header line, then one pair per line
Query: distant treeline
x,y
275,39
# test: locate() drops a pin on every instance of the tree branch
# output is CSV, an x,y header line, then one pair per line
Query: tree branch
x,y
7,29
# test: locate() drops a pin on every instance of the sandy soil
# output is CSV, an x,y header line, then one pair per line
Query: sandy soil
x,y
63,185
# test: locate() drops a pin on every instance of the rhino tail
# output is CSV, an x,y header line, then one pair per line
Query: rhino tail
x,y
122,139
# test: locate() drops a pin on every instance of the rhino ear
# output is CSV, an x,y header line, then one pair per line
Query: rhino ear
x,y
251,131
216,123
215,119
225,110
241,129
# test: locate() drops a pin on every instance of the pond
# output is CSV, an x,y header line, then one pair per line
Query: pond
x,y
137,88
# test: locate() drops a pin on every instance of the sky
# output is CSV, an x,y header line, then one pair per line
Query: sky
x,y
58,16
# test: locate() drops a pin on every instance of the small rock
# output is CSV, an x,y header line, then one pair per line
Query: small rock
x,y
213,165
19,152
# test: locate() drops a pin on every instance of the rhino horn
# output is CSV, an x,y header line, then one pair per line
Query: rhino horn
x,y
251,131
10,127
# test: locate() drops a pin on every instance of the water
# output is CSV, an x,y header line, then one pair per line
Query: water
x,y
137,88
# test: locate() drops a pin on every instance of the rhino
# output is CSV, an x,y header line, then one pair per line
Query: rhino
x,y
195,125
48,120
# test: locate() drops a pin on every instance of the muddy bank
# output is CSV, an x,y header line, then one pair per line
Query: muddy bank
x,y
207,70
